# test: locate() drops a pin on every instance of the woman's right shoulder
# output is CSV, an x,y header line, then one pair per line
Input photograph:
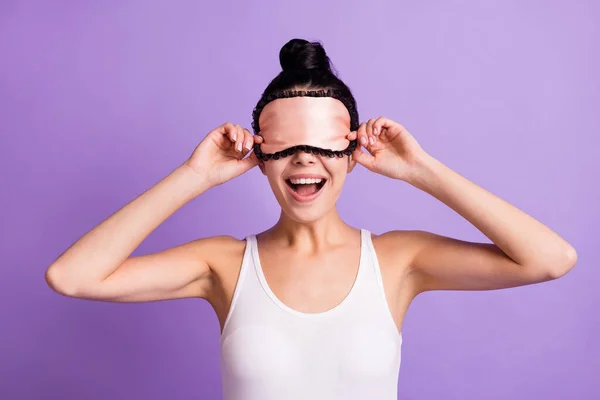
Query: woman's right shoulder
x,y
224,255
223,252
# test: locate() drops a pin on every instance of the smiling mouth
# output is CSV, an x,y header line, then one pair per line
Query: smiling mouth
x,y
306,189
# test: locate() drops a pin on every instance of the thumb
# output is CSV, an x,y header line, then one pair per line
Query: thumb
x,y
364,159
247,163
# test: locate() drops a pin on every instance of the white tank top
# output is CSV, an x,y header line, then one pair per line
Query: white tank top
x,y
270,351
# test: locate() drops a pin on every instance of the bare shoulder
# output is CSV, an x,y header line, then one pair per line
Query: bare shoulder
x,y
396,250
224,260
222,249
398,245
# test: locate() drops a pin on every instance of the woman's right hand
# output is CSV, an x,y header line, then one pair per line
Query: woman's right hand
x,y
220,155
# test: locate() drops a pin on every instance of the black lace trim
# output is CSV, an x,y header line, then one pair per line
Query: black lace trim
x,y
308,149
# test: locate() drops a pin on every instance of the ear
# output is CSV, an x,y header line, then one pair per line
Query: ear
x,y
351,163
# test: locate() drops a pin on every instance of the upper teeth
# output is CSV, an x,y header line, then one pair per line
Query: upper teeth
x,y
303,181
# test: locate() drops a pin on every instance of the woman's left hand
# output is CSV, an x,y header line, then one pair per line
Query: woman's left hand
x,y
394,152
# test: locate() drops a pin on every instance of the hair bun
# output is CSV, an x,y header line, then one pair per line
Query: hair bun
x,y
302,54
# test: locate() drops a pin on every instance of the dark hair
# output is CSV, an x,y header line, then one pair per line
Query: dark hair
x,y
306,66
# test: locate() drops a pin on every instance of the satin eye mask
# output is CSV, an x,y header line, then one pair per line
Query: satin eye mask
x,y
313,121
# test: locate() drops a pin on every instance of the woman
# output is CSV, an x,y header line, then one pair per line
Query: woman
x,y
312,307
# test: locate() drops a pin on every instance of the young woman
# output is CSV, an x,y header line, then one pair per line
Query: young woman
x,y
311,308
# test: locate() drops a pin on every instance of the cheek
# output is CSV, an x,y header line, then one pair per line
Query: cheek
x,y
336,167
274,170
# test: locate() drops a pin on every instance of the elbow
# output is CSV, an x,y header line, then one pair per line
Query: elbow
x,y
560,269
56,282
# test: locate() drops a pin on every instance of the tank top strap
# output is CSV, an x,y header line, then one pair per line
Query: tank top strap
x,y
245,269
373,260
376,279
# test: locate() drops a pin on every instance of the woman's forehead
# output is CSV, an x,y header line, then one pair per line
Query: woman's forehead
x,y
317,114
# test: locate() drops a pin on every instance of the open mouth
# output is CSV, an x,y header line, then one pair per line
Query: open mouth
x,y
306,188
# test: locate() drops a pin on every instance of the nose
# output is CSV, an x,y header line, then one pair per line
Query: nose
x,y
304,158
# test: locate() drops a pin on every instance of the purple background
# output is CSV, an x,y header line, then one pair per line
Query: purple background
x,y
101,100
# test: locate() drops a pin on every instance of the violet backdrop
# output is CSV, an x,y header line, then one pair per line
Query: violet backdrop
x,y
101,100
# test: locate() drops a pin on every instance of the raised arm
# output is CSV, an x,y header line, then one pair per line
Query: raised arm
x,y
524,251
99,265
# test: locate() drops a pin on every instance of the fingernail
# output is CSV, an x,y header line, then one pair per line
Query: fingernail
x,y
239,146
375,131
248,145
363,140
234,136
371,139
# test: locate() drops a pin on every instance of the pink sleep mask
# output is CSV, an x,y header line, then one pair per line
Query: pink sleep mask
x,y
314,121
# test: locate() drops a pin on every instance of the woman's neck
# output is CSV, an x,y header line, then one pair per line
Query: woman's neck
x,y
329,230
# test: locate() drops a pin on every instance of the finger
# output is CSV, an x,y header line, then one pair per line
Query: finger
x,y
229,131
362,134
248,163
351,135
384,124
258,139
377,125
369,130
248,140
239,141
363,158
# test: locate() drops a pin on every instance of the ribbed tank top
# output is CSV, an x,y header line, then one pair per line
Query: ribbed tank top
x,y
270,351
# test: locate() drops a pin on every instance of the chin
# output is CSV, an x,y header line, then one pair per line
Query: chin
x,y
305,216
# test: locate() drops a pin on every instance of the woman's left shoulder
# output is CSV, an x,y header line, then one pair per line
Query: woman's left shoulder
x,y
396,247
397,237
